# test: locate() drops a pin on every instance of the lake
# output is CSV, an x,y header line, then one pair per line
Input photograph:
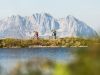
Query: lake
x,y
10,57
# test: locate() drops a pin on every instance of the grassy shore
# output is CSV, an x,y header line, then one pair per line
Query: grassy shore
x,y
31,43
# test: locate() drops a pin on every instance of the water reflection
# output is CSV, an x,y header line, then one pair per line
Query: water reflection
x,y
10,57
54,61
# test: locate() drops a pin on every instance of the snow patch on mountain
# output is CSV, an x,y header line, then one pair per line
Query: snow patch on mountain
x,y
24,27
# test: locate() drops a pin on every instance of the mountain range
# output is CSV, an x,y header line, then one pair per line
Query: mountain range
x,y
17,26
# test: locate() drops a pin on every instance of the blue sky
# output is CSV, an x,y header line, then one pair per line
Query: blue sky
x,y
85,10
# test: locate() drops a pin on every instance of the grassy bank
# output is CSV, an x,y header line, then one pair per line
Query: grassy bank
x,y
62,42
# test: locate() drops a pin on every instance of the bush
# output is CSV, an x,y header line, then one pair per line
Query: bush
x,y
87,63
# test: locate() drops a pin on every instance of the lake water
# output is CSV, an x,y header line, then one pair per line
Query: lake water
x,y
9,57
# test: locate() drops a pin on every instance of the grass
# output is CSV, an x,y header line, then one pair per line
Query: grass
x,y
61,69
62,42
